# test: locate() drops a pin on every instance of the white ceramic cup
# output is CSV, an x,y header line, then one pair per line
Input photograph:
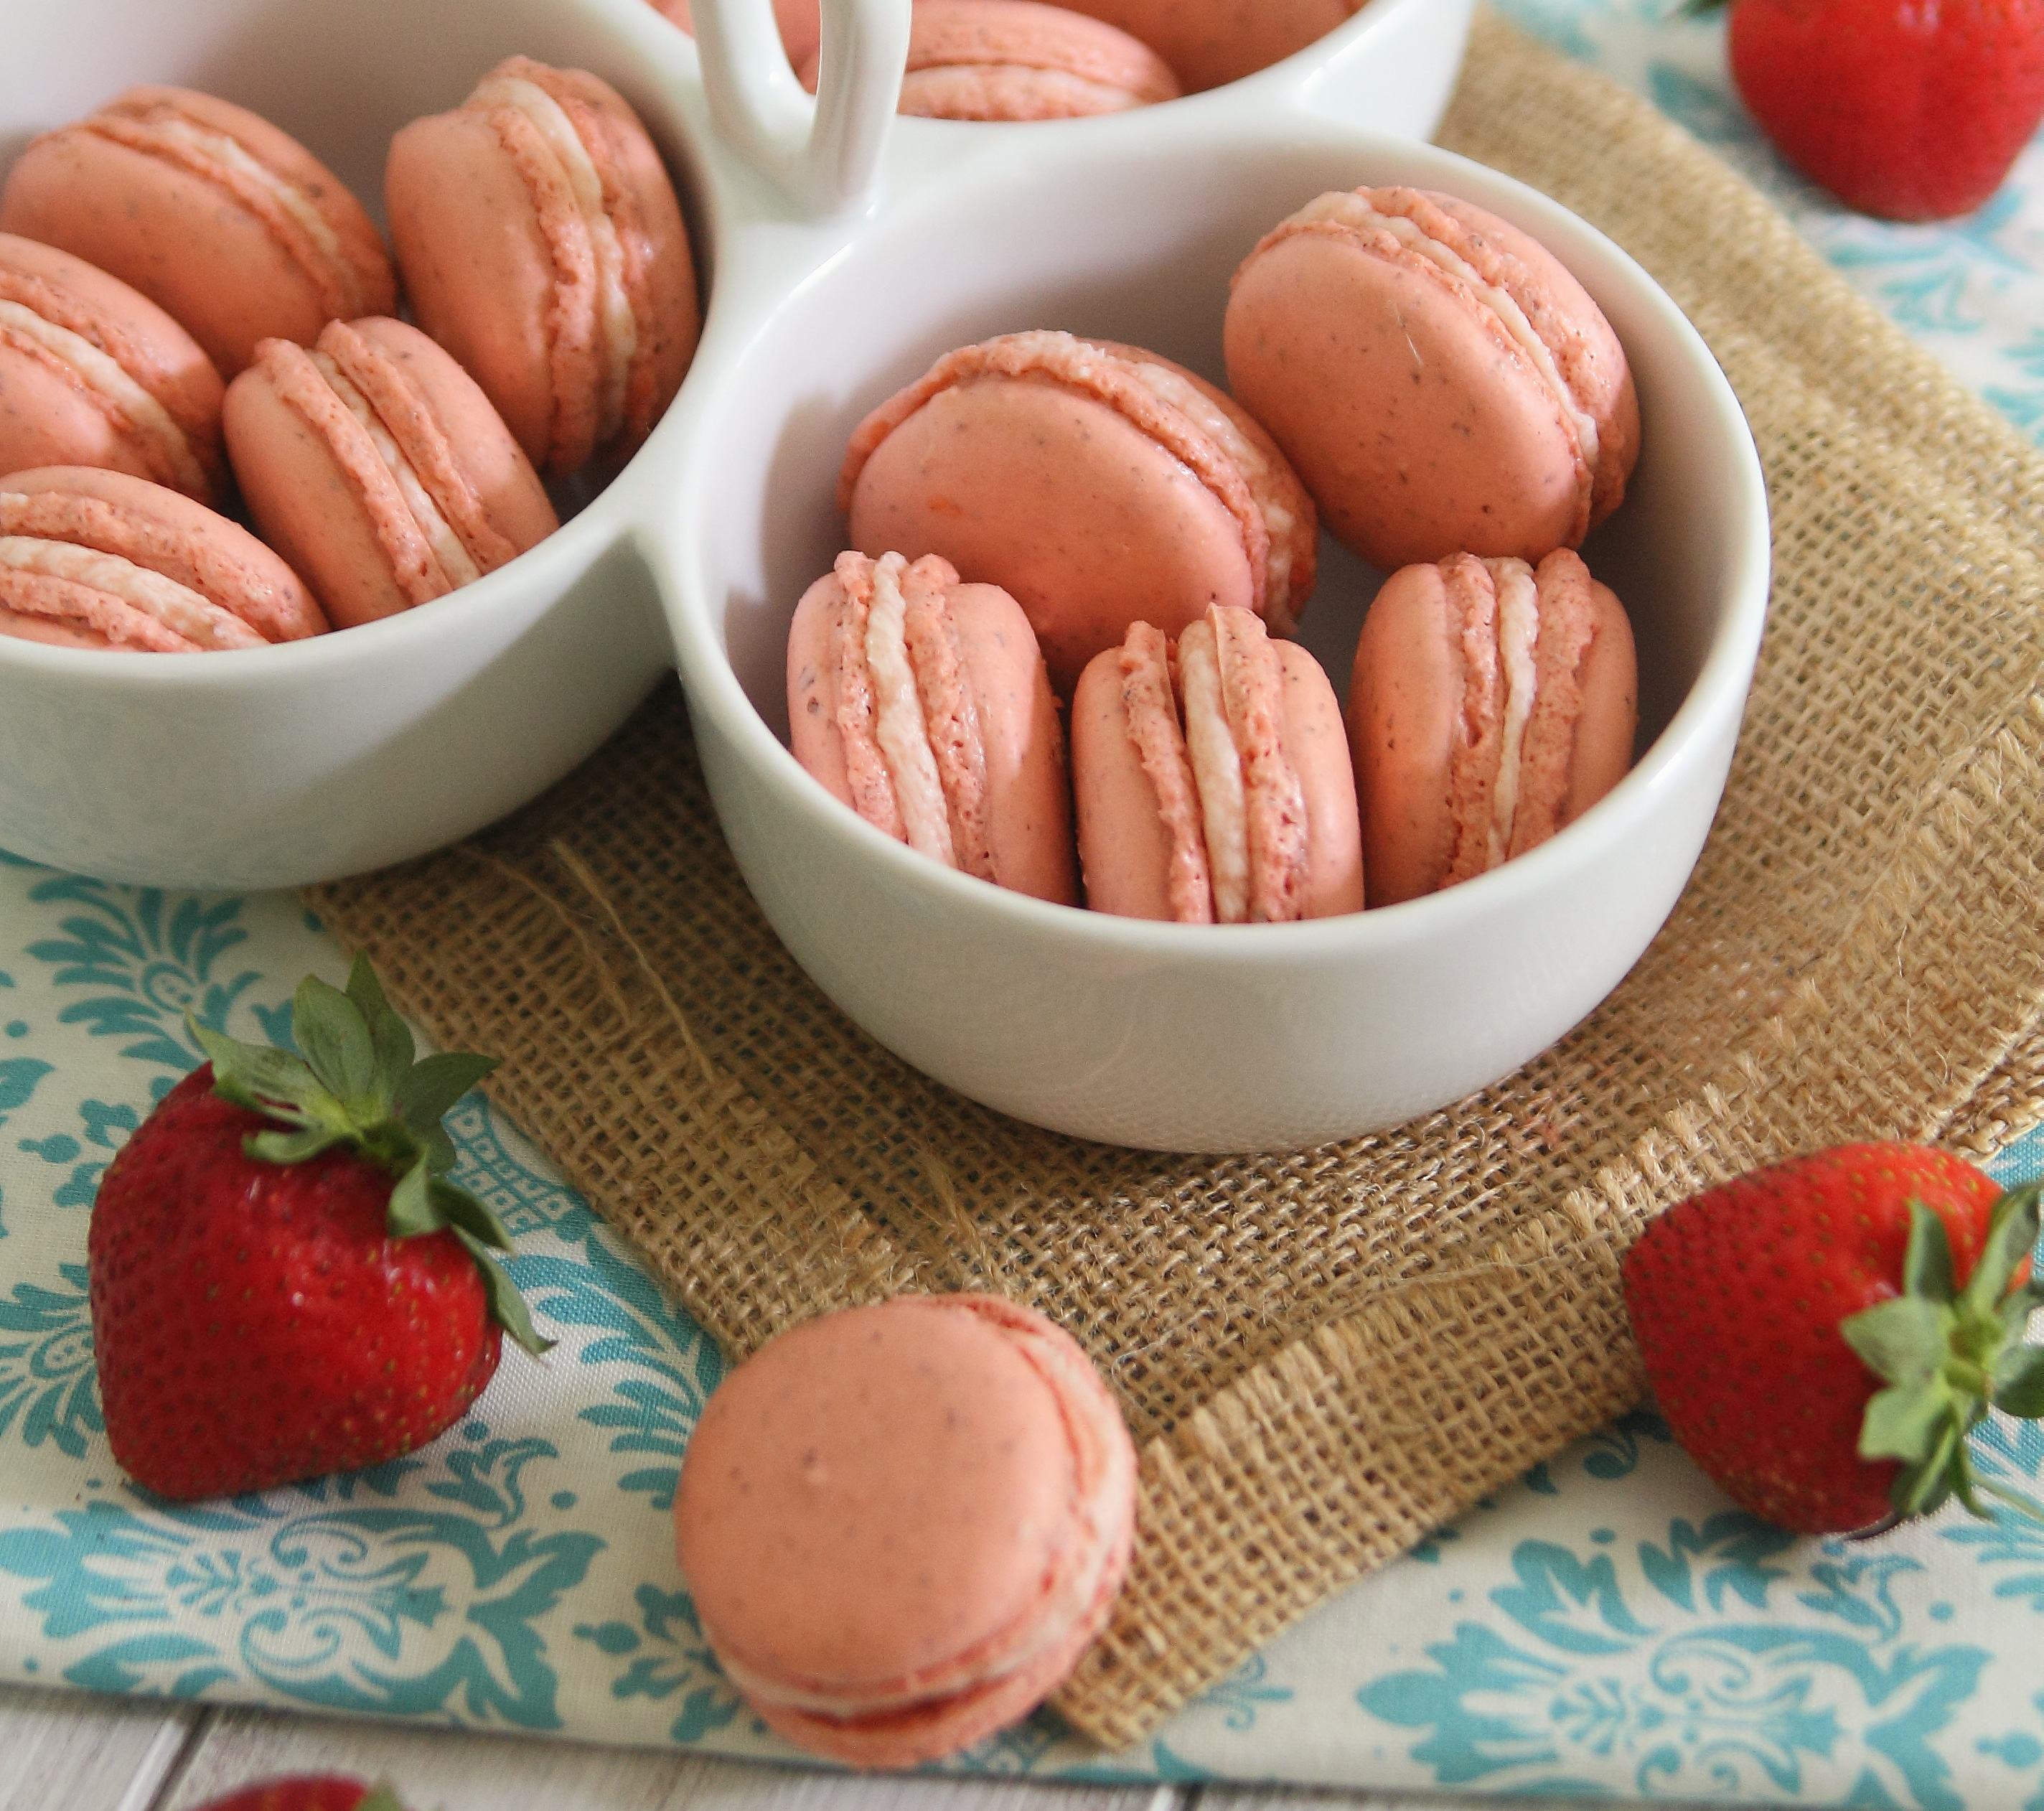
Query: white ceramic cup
x,y
279,765
1220,1038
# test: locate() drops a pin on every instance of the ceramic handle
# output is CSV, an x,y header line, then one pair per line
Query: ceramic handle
x,y
825,153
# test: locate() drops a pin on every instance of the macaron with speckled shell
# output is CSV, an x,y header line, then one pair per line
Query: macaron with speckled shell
x,y
1016,59
373,462
91,558
901,1524
923,704
1098,484
225,222
1492,703
1441,383
1208,42
1212,779
542,244
92,372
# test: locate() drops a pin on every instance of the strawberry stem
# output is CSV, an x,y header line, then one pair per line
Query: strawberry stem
x,y
1949,1354
357,1087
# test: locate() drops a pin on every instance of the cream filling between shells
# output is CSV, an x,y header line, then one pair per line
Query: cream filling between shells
x,y
1216,761
453,557
217,148
1350,209
1518,631
104,376
178,607
619,326
1213,420
898,726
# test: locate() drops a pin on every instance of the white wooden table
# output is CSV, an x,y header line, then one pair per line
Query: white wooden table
x,y
68,1751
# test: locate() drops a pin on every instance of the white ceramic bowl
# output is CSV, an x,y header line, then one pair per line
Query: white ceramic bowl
x,y
1222,1038
279,765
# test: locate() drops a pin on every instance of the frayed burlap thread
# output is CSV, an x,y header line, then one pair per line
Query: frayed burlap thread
x,y
1325,1355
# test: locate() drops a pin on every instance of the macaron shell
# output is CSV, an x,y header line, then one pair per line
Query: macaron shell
x,y
186,242
1586,716
1059,499
870,1497
1419,428
172,534
1405,706
478,274
1029,809
1316,745
50,415
1208,42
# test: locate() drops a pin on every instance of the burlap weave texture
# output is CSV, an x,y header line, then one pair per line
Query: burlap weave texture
x,y
1324,1355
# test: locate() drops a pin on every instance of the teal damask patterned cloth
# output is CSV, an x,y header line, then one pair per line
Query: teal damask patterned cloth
x,y
1609,1625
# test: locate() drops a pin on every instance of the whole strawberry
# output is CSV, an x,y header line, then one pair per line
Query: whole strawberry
x,y
307,1792
1822,1334
283,1281
1913,110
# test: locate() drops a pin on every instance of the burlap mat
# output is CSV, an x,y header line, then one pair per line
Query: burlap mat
x,y
1325,1355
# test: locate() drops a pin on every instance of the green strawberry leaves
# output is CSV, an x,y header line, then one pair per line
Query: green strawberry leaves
x,y
1947,1355
359,1086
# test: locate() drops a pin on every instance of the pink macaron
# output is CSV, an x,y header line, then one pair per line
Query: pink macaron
x,y
228,224
377,466
1016,59
1441,383
903,1524
1208,42
1213,779
1492,704
801,22
91,558
541,243
1098,484
923,704
92,372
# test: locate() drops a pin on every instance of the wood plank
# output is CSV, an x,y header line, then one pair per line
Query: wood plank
x,y
66,1750
443,1770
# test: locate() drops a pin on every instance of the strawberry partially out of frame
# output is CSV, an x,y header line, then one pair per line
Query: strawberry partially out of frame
x,y
1822,1334
307,1792
1910,109
283,1281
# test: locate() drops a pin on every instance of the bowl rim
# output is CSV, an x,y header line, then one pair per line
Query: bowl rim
x,y
1714,698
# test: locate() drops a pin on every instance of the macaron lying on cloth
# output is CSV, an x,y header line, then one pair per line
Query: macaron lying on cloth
x,y
1441,383
542,244
228,224
1098,484
923,704
92,372
1016,59
373,462
1492,704
903,1524
1212,779
100,560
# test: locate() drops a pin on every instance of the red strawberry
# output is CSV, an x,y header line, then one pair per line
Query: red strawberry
x,y
283,1281
1822,1334
307,1792
1911,110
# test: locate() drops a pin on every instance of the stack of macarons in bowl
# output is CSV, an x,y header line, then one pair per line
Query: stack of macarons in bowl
x,y
250,175
402,352
1126,389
